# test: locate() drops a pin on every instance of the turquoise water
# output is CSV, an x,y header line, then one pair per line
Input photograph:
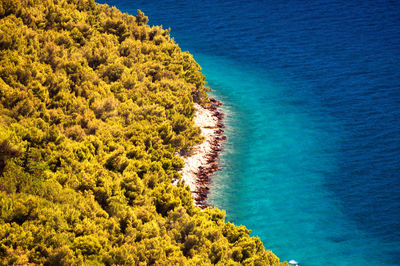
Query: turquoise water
x,y
274,169
311,92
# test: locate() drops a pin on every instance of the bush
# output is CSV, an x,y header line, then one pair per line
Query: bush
x,y
94,105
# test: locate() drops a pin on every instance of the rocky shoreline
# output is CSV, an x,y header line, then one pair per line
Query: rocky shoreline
x,y
204,172
204,161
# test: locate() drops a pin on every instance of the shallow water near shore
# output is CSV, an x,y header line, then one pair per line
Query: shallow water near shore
x,y
311,93
275,169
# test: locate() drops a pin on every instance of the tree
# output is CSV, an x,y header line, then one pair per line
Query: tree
x,y
7,151
141,19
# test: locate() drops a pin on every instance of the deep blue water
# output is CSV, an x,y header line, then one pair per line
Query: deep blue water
x,y
312,96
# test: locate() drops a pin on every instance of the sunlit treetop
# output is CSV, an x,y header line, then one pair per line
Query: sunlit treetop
x,y
94,105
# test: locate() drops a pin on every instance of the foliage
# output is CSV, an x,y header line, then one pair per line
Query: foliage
x,y
94,105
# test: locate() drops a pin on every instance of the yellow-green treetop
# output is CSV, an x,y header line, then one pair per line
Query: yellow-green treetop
x,y
94,105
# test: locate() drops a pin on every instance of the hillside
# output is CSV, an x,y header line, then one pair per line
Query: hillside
x,y
94,105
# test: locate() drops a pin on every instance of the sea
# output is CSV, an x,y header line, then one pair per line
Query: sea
x,y
311,93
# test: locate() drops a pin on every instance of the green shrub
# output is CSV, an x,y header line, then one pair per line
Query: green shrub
x,y
94,105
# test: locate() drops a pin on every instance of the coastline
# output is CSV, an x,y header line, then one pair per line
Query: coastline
x,y
204,161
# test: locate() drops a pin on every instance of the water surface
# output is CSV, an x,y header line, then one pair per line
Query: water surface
x,y
312,97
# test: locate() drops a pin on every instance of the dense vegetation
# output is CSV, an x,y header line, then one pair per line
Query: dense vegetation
x,y
94,105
